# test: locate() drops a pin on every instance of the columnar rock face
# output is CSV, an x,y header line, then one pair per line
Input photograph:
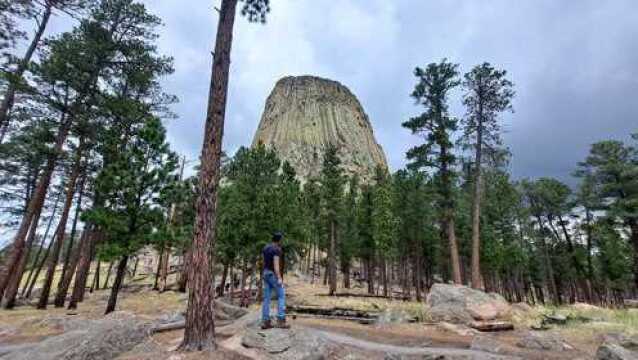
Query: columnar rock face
x,y
304,114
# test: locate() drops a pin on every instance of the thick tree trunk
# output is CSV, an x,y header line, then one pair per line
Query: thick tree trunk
x,y
332,261
63,287
82,271
117,284
59,235
346,275
14,282
199,333
454,250
44,237
448,216
164,270
9,95
476,209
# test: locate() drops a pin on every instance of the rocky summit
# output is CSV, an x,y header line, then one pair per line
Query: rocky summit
x,y
304,114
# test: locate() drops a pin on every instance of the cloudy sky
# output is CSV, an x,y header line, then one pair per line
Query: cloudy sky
x,y
574,63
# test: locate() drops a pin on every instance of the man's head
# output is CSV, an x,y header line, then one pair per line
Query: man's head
x,y
277,236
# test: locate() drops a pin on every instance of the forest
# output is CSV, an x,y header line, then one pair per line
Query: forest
x,y
87,176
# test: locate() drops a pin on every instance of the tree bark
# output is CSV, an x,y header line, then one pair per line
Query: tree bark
x,y
63,287
183,277
476,207
76,216
14,282
454,251
58,237
34,279
117,284
82,271
332,261
199,333
633,225
9,95
108,276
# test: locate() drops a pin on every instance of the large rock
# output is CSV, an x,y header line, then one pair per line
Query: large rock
x,y
461,304
538,341
618,347
97,340
304,114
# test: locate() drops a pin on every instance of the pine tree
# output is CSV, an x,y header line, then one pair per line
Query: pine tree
x,y
435,125
332,190
487,93
129,185
384,223
200,325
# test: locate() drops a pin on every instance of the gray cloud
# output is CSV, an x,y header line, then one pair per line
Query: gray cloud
x,y
573,63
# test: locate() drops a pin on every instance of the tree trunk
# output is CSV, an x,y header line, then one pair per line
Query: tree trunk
x,y
34,279
108,277
476,208
454,251
633,225
82,271
183,277
58,237
222,285
44,237
9,95
14,282
36,202
164,270
157,270
117,284
199,333
370,274
346,275
332,261
76,216
63,287
95,285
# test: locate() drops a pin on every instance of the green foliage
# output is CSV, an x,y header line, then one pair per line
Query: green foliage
x,y
259,195
130,186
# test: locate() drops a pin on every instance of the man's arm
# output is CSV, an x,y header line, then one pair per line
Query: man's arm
x,y
277,269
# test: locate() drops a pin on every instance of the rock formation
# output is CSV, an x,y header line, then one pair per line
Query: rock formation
x,y
304,114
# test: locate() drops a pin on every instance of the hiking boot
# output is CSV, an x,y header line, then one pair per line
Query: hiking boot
x,y
281,324
265,325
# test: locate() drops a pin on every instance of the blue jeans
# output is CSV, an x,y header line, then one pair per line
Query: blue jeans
x,y
270,284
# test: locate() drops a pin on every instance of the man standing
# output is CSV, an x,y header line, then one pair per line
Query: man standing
x,y
273,281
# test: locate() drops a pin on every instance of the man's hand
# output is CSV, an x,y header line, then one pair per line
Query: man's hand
x,y
280,282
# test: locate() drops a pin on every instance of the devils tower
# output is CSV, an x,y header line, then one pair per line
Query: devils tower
x,y
303,114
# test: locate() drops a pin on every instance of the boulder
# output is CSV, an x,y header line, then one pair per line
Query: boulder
x,y
461,304
618,346
538,341
96,340
611,351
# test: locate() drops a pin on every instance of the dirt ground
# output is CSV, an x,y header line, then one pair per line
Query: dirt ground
x,y
25,324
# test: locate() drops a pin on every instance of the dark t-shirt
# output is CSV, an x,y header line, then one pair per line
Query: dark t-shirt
x,y
269,253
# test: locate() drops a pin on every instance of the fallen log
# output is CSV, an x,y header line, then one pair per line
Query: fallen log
x,y
394,297
360,320
630,303
334,312
489,326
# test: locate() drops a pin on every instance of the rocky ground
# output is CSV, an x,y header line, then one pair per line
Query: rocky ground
x,y
147,326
